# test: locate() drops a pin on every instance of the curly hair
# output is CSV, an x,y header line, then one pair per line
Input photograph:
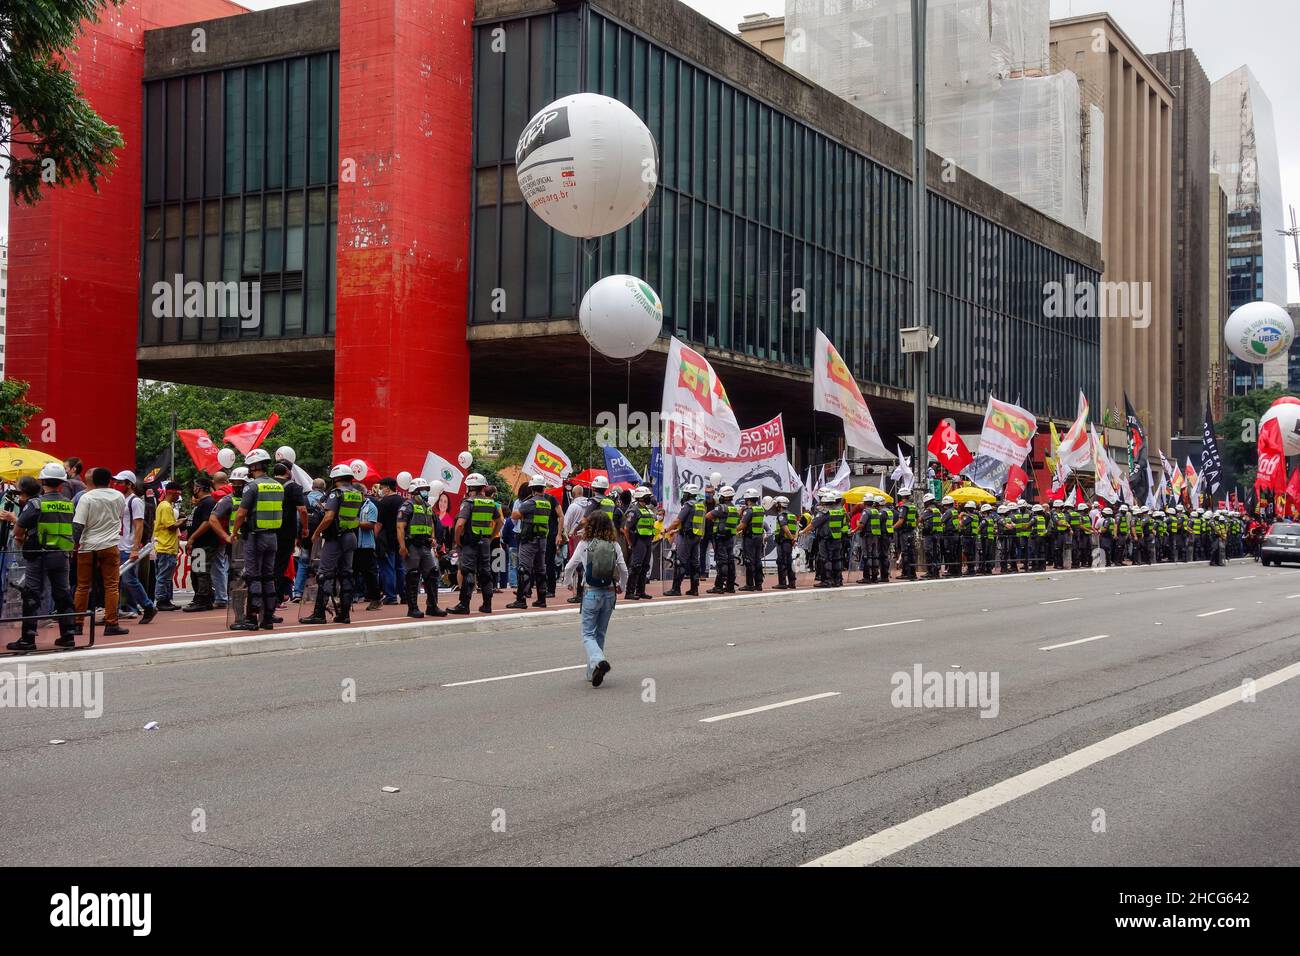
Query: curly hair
x,y
598,526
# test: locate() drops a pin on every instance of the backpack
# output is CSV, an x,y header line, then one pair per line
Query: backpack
x,y
601,563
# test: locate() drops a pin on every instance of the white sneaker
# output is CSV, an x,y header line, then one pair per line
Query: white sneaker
x,y
128,615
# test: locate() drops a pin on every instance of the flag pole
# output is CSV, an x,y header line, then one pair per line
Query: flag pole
x,y
171,472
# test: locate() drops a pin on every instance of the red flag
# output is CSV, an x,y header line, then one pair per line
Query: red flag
x,y
248,435
1017,482
1271,471
947,446
1293,491
201,449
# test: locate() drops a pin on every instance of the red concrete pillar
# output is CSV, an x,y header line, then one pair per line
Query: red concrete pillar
x,y
74,259
401,362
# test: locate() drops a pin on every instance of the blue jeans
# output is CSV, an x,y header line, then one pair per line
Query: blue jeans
x,y
221,574
164,567
597,606
299,572
132,589
392,575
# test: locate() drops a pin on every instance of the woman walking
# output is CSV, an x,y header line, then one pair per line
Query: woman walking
x,y
600,561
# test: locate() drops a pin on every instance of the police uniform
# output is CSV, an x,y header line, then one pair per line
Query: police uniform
x,y
952,541
419,564
640,525
787,530
48,523
725,521
536,518
970,538
263,502
905,542
932,538
690,533
238,597
1060,536
340,543
479,515
828,529
870,530
752,531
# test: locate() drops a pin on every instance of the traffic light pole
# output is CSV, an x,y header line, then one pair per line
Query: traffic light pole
x,y
920,247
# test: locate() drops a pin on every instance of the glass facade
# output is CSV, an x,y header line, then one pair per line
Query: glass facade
x,y
240,186
762,229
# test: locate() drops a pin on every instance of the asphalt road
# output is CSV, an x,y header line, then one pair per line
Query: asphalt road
x,y
265,753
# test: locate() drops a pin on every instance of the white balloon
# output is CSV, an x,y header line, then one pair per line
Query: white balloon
x,y
436,488
767,502
464,459
587,165
226,457
404,479
358,469
715,479
1259,331
621,316
285,453
1288,420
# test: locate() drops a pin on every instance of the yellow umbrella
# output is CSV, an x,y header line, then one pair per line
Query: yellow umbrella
x,y
16,462
854,496
972,493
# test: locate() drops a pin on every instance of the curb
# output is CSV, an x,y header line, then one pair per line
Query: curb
x,y
115,658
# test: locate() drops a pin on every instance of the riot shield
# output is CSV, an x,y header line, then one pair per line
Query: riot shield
x,y
311,586
12,571
236,586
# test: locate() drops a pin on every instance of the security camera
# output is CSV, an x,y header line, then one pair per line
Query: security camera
x,y
934,341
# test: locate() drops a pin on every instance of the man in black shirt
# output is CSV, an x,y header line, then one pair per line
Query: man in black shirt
x,y
293,528
202,545
392,571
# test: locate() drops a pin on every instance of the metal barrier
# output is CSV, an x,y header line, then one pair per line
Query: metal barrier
x,y
12,571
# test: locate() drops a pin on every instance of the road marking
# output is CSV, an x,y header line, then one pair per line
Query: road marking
x,y
868,627
890,841
1292,596
1220,611
1061,601
489,680
1244,577
759,710
1084,640
1171,587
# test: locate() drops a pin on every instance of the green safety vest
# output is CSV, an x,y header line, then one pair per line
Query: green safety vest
x,y
645,522
54,523
482,517
542,507
421,523
697,518
1075,519
607,506
349,510
874,524
234,510
1023,524
791,521
936,521
756,516
836,522
909,517
990,528
269,508
1040,525
1123,522
731,522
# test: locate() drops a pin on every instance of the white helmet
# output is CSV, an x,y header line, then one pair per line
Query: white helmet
x,y
1108,511
475,481
970,506
642,492
537,481
985,509
53,471
726,491
751,494
1058,503
927,499
341,471
947,500
782,500
259,455
1036,508
1081,506
905,493
691,489
417,484
826,496
239,474
600,483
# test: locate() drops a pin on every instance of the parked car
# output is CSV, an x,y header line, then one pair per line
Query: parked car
x,y
1281,543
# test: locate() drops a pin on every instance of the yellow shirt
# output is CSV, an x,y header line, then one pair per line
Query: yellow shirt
x,y
165,539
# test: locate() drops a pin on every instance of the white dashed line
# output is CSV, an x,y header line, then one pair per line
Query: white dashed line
x,y
1084,640
759,710
1224,610
489,680
868,627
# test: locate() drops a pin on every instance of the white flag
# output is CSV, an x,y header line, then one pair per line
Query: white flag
x,y
547,461
437,468
304,480
1075,451
807,497
903,472
842,475
835,391
1105,487
696,402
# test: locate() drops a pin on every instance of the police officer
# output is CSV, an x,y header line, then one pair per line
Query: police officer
x,y
931,535
706,539
227,510
478,524
1181,529
415,548
968,526
639,530
1081,533
536,516
44,531
1107,536
1123,534
338,530
787,531
951,536
884,555
1040,533
686,532
752,532
905,524
828,527
1217,532
725,522
1147,529
1005,537
868,552
988,539
261,510
1058,532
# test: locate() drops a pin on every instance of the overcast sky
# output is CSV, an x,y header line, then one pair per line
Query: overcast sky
x,y
1224,33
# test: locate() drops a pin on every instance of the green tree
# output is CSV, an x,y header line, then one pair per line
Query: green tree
x,y
1238,432
15,411
306,424
577,441
49,134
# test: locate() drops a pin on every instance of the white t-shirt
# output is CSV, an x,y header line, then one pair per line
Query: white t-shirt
x,y
132,508
99,512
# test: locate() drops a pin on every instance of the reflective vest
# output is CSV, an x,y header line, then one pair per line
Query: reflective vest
x,y
1075,519
909,517
54,523
697,518
1124,524
731,522
756,516
936,521
421,523
1059,521
874,524
542,507
836,522
607,506
1022,524
349,510
990,528
268,512
1198,526
645,523
791,522
234,510
1040,525
482,517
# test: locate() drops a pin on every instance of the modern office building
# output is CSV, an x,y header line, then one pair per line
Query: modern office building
x,y
765,32
1243,150
1189,276
1218,299
1137,214
351,167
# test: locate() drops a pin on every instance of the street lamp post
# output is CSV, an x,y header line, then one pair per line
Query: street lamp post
x,y
917,340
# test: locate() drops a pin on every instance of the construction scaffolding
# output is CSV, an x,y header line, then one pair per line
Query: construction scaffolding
x,y
994,107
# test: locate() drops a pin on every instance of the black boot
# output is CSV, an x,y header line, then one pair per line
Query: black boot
x,y
318,612
486,606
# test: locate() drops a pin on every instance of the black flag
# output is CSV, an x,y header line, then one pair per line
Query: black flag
x,y
1211,463
1139,469
160,470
